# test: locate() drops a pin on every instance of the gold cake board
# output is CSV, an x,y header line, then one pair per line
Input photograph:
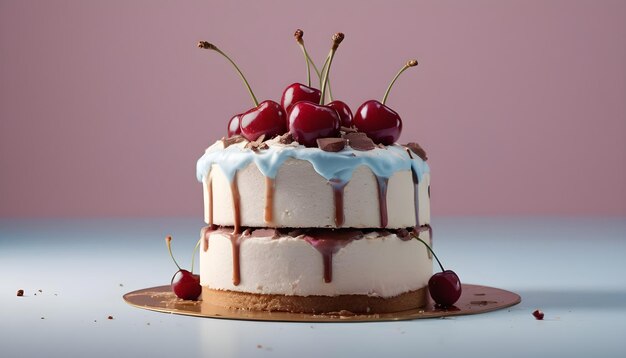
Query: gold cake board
x,y
475,299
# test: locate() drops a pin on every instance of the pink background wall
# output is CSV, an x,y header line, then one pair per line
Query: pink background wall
x,y
105,106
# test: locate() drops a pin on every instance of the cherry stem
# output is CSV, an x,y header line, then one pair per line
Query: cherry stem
x,y
168,242
193,256
299,38
429,249
337,38
210,46
312,63
410,63
330,92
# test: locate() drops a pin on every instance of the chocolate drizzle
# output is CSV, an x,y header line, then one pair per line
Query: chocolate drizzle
x,y
210,192
234,189
204,235
338,188
235,240
269,200
382,200
328,242
416,198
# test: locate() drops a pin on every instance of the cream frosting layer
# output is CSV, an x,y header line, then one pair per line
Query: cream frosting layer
x,y
378,264
294,186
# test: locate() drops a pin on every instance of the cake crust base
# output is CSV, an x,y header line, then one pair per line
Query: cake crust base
x,y
358,304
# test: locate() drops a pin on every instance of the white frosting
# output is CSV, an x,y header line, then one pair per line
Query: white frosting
x,y
374,266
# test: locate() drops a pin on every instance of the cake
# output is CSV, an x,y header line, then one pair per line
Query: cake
x,y
298,229
310,209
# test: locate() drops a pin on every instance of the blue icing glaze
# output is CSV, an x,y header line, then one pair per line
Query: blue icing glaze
x,y
340,165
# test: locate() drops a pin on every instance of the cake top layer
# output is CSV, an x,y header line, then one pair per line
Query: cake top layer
x,y
382,161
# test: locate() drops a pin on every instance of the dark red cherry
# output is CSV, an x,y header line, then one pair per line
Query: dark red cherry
x,y
345,114
298,92
445,288
267,118
186,285
381,123
309,121
233,125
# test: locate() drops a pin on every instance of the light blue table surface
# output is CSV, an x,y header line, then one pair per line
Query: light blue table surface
x,y
573,269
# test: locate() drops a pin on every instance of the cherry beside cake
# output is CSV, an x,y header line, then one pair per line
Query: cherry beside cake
x,y
311,209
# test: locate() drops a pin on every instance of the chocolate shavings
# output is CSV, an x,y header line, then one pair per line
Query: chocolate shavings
x,y
286,138
232,140
331,144
257,144
359,141
417,149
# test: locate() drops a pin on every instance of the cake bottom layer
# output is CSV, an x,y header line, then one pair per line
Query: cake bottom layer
x,y
342,304
315,262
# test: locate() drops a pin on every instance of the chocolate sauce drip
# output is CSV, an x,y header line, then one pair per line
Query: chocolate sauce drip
x,y
269,200
416,198
235,240
338,187
382,200
328,242
234,189
210,191
204,236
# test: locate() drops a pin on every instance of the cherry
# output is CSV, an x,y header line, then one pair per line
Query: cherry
x,y
309,121
267,118
185,284
345,114
381,123
445,286
233,125
298,92
269,114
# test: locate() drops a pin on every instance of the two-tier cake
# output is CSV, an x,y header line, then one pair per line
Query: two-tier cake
x,y
301,229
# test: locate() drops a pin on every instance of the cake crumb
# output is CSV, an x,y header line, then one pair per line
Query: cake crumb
x,y
20,293
538,314
110,317
43,318
259,346
40,290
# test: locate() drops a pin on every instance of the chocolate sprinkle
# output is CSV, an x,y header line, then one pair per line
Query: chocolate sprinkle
x,y
286,138
20,293
359,141
257,144
232,140
417,149
331,144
